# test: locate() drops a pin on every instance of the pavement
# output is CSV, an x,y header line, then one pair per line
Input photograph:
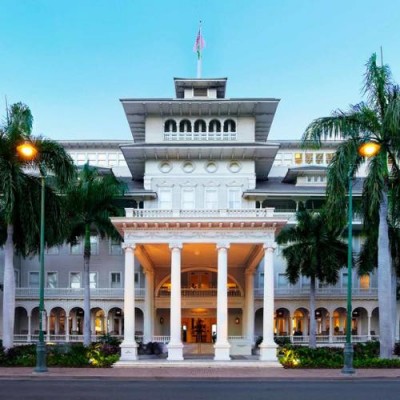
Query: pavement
x,y
193,370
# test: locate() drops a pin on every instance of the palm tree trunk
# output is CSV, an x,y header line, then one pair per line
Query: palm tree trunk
x,y
87,332
313,339
385,291
9,290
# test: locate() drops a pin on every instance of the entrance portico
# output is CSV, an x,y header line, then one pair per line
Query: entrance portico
x,y
171,246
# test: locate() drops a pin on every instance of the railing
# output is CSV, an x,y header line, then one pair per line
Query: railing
x,y
327,291
161,339
109,293
326,339
236,338
199,213
199,293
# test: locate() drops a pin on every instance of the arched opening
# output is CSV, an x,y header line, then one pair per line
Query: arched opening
x,y
185,126
375,323
116,321
214,126
322,321
57,321
76,321
359,322
21,321
282,322
170,126
229,125
300,322
200,126
98,322
339,321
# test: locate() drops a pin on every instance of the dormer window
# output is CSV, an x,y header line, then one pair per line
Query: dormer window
x,y
170,126
229,126
200,92
200,126
215,126
185,126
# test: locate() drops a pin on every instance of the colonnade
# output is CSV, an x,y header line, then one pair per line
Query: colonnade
x,y
222,345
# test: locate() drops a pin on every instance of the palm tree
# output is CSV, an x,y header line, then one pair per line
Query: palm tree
x,y
375,120
313,250
90,202
20,199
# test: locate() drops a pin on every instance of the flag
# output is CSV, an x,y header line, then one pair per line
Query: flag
x,y
199,44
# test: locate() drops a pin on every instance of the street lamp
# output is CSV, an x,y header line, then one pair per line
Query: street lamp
x,y
28,151
367,149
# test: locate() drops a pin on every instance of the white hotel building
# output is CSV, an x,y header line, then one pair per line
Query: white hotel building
x,y
207,195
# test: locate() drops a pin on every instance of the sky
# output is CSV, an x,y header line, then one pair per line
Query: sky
x,y
71,61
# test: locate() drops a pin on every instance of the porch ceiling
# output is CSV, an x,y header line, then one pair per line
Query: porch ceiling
x,y
200,256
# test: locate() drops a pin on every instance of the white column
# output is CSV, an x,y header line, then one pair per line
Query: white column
x,y
268,346
369,326
66,326
148,312
175,346
331,327
29,328
249,305
129,345
222,345
48,327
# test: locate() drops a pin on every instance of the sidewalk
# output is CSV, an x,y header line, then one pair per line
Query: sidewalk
x,y
197,370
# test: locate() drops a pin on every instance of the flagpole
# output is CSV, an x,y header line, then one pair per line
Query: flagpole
x,y
200,55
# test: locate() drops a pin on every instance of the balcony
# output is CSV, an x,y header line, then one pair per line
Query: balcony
x,y
327,292
70,293
199,213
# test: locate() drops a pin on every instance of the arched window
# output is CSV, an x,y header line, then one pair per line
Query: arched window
x,y
200,126
229,126
170,126
215,126
185,126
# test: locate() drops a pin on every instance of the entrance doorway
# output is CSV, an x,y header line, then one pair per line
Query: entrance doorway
x,y
198,330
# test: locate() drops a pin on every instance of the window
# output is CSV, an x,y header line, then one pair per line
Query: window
x,y
188,198
305,282
115,247
344,279
52,281
112,159
76,248
298,158
328,157
93,280
200,126
365,281
116,280
185,126
165,199
33,279
309,158
102,159
200,92
75,280
170,126
92,158
319,158
94,244
211,199
52,250
215,126
282,280
16,278
234,199
229,126
81,159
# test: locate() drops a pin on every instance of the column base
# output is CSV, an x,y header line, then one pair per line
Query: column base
x,y
175,352
268,352
221,351
129,351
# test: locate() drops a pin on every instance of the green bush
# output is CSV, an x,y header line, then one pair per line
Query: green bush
x,y
366,355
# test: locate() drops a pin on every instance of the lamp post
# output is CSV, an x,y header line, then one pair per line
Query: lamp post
x,y
348,347
367,149
29,152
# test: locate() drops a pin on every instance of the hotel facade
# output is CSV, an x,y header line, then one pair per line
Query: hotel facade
x,y
198,269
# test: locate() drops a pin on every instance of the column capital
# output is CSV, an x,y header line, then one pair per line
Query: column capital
x,y
128,246
270,246
175,245
223,245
